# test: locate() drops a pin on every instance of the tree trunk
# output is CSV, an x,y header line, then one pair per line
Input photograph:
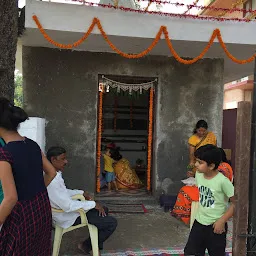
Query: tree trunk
x,y
8,46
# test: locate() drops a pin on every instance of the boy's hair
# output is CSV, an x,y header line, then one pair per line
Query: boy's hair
x,y
210,154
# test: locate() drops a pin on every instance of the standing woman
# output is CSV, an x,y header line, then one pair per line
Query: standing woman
x,y
201,136
187,194
25,212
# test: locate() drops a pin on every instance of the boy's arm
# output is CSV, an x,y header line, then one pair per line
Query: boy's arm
x,y
230,211
228,190
219,225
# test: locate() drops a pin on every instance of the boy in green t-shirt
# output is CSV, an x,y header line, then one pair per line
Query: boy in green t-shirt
x,y
210,227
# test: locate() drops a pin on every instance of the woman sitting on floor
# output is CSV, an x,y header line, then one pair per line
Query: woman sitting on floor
x,y
126,177
187,194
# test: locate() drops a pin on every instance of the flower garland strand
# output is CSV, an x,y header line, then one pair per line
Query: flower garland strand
x,y
65,46
178,15
150,137
102,119
234,5
191,6
202,7
162,30
99,139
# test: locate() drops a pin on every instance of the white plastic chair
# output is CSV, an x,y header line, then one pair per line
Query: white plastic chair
x,y
59,231
194,208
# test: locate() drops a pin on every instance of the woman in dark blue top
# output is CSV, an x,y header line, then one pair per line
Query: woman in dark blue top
x,y
25,212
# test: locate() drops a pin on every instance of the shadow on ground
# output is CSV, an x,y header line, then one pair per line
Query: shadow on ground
x,y
155,229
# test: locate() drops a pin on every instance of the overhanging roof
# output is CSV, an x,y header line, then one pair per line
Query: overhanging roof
x,y
133,33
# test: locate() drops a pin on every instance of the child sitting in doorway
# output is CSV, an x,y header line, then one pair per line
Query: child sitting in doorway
x,y
109,169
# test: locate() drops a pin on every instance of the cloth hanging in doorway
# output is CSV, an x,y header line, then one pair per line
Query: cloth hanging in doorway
x,y
127,87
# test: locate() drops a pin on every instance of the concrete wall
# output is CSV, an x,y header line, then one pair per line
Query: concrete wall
x,y
62,87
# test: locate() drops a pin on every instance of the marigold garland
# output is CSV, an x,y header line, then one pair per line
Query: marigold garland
x,y
99,139
102,122
162,30
150,137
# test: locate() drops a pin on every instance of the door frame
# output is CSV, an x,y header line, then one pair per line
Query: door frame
x,y
151,123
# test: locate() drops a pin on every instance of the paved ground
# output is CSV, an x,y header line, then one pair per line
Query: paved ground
x,y
155,229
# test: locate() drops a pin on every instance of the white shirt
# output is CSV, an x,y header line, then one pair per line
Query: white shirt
x,y
60,198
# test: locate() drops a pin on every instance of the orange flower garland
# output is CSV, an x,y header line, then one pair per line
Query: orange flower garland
x,y
162,30
99,139
150,137
102,122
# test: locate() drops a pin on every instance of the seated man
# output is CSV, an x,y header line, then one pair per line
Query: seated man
x,y
60,198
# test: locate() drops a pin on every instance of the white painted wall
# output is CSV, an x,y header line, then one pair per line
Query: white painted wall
x,y
34,129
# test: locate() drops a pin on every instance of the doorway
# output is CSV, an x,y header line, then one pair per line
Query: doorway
x,y
125,123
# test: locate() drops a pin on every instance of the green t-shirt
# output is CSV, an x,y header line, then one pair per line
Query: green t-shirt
x,y
213,197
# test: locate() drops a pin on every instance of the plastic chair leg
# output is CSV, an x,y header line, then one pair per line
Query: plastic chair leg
x,y
94,239
57,241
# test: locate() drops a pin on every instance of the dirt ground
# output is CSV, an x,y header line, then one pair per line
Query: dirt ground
x,y
155,229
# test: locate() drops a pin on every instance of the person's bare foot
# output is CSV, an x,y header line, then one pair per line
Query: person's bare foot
x,y
82,248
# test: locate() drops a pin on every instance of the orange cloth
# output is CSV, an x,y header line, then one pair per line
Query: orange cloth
x,y
187,194
182,207
226,170
126,177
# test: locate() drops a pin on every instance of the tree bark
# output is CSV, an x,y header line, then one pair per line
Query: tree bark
x,y
8,46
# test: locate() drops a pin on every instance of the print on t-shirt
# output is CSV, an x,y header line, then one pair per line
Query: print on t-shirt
x,y
206,197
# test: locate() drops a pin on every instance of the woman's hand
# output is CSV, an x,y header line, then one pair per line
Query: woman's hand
x,y
191,165
190,174
87,196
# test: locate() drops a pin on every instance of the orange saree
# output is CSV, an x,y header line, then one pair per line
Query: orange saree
x,y
126,177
